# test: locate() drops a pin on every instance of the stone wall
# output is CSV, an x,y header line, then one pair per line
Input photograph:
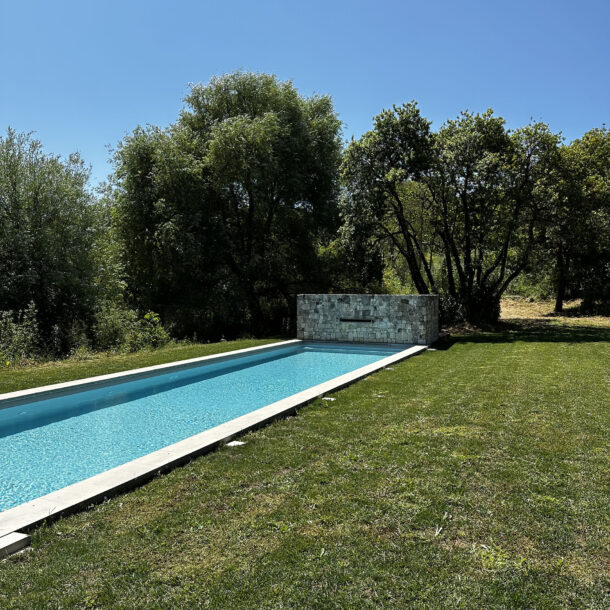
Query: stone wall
x,y
368,318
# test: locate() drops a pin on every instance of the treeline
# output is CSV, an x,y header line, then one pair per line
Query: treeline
x,y
209,228
470,208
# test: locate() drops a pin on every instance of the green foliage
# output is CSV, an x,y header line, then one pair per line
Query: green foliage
x,y
47,229
119,329
109,283
147,332
374,170
222,214
462,207
350,266
578,240
536,283
63,257
219,220
112,325
19,336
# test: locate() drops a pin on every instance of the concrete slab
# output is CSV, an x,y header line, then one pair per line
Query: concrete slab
x,y
12,543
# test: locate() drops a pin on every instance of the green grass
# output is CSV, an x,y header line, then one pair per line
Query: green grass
x,y
474,476
13,379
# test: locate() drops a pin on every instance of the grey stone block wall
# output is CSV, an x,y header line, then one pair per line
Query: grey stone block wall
x,y
368,318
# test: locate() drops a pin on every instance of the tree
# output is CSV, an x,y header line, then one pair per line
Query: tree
x,y
578,238
222,214
471,195
47,226
375,172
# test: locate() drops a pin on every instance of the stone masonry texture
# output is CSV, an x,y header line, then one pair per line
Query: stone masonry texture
x,y
368,318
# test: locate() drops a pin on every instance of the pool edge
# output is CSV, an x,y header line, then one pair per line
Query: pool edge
x,y
131,474
13,399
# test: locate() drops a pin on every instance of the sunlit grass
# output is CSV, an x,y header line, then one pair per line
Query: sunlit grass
x,y
474,476
19,378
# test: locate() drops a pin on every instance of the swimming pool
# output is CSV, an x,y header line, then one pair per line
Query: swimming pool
x,y
50,443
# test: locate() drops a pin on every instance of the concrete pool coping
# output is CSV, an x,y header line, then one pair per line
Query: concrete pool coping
x,y
126,476
12,399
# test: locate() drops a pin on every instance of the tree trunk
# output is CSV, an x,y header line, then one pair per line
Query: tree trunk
x,y
560,281
416,274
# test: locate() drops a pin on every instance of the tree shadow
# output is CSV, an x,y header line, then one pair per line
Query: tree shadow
x,y
579,311
531,330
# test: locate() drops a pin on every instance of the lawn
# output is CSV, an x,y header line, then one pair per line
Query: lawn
x,y
12,379
473,476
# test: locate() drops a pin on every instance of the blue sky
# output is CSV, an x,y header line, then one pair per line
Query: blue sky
x,y
83,74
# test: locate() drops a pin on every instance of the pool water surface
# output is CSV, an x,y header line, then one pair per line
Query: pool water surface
x,y
48,444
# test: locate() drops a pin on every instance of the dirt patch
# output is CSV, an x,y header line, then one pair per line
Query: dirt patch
x,y
521,313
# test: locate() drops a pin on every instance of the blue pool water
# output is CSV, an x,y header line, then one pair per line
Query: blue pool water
x,y
48,444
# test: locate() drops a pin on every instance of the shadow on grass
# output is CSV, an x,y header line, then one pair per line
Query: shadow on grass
x,y
537,331
580,312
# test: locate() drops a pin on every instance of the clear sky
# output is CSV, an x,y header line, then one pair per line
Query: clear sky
x,y
81,74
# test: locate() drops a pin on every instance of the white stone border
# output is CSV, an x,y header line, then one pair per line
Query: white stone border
x,y
121,478
12,543
11,399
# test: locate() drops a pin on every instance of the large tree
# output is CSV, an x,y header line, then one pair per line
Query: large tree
x,y
47,227
578,238
471,196
222,214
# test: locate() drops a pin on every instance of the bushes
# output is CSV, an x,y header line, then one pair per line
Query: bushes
x,y
451,310
19,336
111,327
146,332
48,235
117,328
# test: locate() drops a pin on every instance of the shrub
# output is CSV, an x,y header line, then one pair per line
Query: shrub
x,y
112,326
147,332
451,310
118,328
19,336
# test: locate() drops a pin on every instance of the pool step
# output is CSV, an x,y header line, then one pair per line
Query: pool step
x,y
11,543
